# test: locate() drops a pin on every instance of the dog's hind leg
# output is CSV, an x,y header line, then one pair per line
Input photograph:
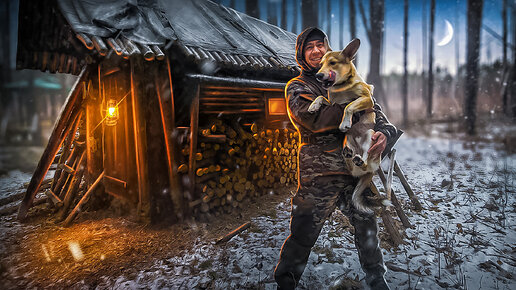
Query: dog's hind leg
x,y
357,198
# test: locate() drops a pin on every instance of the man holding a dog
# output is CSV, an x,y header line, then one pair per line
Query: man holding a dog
x,y
323,181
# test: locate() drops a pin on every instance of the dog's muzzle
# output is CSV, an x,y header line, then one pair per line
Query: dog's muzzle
x,y
326,81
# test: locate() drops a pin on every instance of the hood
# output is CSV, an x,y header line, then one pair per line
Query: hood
x,y
300,45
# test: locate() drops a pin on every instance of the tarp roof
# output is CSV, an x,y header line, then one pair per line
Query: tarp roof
x,y
203,29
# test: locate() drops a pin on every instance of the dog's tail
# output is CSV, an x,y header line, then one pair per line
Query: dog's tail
x,y
357,198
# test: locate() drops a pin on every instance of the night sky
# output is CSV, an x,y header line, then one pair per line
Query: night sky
x,y
451,10
444,56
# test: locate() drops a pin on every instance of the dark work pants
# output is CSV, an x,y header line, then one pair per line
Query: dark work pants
x,y
311,206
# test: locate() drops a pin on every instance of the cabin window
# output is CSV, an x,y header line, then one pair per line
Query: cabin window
x,y
277,107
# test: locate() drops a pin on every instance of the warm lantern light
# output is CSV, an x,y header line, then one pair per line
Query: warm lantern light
x,y
112,113
277,106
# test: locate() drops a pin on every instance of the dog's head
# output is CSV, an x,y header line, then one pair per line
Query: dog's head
x,y
337,66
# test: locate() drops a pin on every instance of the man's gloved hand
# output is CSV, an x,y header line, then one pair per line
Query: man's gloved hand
x,y
378,145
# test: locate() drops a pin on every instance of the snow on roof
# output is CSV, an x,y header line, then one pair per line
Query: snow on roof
x,y
202,29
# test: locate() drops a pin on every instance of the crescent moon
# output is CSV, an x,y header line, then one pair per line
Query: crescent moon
x,y
449,34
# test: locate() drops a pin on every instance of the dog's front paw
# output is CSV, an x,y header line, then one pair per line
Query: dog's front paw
x,y
314,107
344,127
347,152
357,160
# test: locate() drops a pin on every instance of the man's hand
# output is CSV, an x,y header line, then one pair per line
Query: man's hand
x,y
378,145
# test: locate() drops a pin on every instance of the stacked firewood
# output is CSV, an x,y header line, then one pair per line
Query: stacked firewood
x,y
236,161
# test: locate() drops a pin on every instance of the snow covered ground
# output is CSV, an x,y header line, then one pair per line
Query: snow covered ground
x,y
465,237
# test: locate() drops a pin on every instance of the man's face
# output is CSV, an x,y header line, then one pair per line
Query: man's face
x,y
314,51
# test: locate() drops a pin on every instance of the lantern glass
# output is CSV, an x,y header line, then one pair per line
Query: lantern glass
x,y
111,113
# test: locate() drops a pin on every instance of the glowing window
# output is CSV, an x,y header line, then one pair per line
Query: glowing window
x,y
277,106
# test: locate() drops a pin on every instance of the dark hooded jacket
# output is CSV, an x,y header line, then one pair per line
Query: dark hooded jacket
x,y
321,140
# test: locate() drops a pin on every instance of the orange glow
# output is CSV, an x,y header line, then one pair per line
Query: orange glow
x,y
277,106
111,111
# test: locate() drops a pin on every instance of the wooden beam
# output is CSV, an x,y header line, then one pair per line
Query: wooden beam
x,y
73,189
388,222
140,142
194,126
62,127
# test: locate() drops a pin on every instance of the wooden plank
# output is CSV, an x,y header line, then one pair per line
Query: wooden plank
x,y
194,126
62,127
54,198
406,185
233,233
168,123
83,200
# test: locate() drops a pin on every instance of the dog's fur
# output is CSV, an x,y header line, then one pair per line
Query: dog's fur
x,y
339,75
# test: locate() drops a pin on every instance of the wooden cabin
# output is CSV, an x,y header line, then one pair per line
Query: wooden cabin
x,y
178,108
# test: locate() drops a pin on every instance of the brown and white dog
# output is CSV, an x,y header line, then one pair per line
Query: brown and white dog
x,y
339,76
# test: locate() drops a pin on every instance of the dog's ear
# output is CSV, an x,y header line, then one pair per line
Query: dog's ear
x,y
351,49
327,44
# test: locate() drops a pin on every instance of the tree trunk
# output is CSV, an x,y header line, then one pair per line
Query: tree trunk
x,y
284,14
376,19
504,59
232,4
352,25
424,50
457,51
431,60
295,6
252,8
341,24
272,14
309,13
472,55
404,88
511,106
328,15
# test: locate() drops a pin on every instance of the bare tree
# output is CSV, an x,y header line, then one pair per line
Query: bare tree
x,y
424,51
431,60
352,25
341,24
457,50
252,8
272,13
309,13
504,59
295,7
474,23
328,15
511,106
374,31
284,14
404,85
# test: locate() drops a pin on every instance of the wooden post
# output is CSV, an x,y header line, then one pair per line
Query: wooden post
x,y
194,126
74,187
168,122
407,187
140,143
62,127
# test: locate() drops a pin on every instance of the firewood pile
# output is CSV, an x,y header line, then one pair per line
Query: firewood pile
x,y
237,160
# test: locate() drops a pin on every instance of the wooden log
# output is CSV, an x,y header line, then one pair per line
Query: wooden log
x,y
406,185
221,139
83,200
397,206
71,109
233,233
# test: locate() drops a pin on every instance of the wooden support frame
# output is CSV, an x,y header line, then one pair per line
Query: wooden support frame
x,y
62,127
406,185
83,200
